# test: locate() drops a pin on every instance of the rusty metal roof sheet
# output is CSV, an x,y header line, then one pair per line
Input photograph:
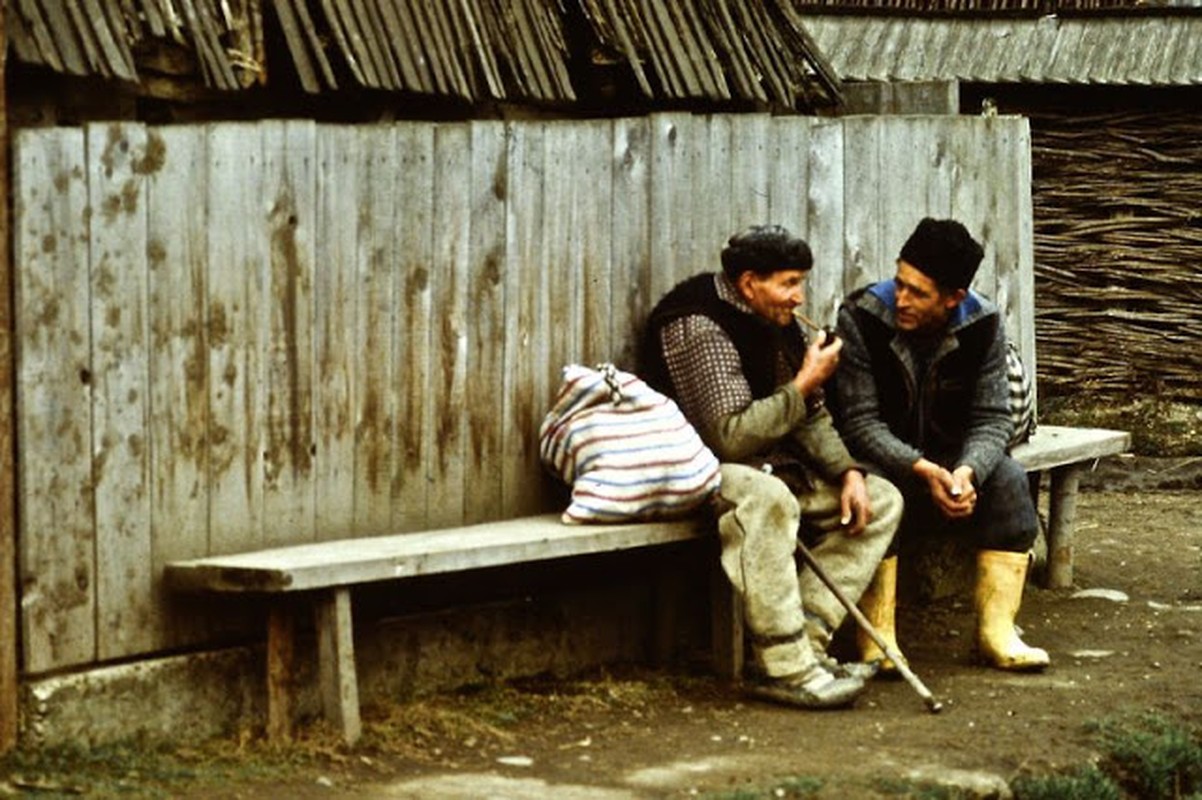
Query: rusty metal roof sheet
x,y
1143,49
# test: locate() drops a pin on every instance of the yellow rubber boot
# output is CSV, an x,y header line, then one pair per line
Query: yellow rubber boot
x,y
879,604
999,592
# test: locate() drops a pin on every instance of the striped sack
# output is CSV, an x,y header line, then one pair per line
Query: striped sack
x,y
627,451
1022,396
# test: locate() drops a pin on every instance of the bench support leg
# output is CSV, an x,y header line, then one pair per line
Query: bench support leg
x,y
726,625
336,662
281,647
1062,515
667,591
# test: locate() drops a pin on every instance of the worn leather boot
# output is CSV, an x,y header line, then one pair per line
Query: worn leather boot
x,y
819,634
879,604
999,592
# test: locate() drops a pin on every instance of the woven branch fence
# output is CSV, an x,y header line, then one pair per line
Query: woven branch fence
x,y
1118,254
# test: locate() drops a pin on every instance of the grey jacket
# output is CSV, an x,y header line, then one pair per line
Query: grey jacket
x,y
956,412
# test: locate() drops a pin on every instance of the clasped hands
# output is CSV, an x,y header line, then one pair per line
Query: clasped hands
x,y
952,490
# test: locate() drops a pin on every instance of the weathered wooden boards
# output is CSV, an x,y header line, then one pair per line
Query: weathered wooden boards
x,y
242,335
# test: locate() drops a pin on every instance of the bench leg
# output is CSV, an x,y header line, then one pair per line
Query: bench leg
x,y
667,591
726,626
1062,515
336,662
281,647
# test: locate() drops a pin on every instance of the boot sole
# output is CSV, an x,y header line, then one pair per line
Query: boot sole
x,y
798,698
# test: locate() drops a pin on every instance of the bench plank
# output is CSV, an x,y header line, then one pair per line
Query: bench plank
x,y
353,561
1064,452
1055,446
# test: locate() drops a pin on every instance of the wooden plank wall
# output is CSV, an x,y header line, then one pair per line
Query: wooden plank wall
x,y
243,334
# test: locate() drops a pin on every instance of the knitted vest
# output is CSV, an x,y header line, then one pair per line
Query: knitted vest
x,y
760,343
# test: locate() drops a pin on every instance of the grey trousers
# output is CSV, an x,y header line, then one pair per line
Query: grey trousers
x,y
758,523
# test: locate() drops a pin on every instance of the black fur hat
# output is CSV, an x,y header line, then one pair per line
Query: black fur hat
x,y
944,251
765,249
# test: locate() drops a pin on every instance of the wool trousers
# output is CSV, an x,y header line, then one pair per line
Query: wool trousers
x,y
759,522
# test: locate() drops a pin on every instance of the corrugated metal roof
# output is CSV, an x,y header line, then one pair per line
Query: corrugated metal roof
x,y
1144,50
750,50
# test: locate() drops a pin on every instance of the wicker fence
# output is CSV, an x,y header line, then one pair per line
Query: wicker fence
x,y
1118,251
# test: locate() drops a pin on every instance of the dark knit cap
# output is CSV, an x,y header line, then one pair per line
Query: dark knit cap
x,y
944,251
764,249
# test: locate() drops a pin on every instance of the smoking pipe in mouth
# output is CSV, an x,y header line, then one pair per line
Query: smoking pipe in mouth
x,y
831,336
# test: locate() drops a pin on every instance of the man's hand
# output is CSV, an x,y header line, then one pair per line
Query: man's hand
x,y
857,510
819,364
953,492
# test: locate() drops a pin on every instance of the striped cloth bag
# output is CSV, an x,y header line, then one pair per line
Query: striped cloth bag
x,y
1022,396
626,451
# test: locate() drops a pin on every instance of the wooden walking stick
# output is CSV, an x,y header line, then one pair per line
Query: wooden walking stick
x,y
934,705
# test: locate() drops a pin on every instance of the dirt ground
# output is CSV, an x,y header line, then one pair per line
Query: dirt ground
x,y
670,734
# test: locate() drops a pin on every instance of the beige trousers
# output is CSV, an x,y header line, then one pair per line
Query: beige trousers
x,y
758,523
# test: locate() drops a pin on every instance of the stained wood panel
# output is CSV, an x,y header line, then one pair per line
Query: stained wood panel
x,y
413,235
118,160
374,299
177,425
485,330
526,382
56,539
235,251
334,310
290,195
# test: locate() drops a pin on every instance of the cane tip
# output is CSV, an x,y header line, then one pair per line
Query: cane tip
x,y
934,705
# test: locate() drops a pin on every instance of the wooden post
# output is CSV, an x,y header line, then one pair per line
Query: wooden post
x,y
726,625
8,477
1062,515
281,669
336,662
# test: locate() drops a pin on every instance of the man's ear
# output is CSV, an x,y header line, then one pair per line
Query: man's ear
x,y
745,284
953,299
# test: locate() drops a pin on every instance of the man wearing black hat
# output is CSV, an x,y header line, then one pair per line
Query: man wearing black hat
x,y
727,348
922,396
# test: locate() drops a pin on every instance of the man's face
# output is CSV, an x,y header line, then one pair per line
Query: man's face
x,y
775,295
922,307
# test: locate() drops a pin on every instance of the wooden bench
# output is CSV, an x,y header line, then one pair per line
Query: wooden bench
x,y
325,572
1063,453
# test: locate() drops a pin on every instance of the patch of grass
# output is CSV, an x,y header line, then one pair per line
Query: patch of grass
x,y
1144,755
130,769
917,790
1084,783
1153,757
138,769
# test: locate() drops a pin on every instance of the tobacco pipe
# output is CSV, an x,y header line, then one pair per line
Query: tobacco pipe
x,y
831,336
